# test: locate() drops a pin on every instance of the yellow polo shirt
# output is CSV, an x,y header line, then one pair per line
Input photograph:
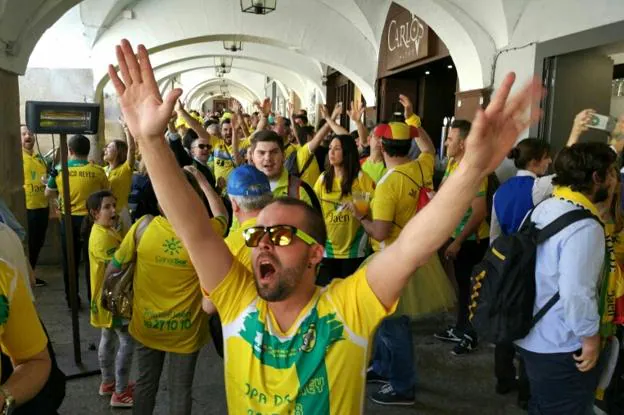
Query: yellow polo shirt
x,y
166,312
84,179
396,195
103,243
120,179
236,243
21,334
317,366
346,237
312,172
34,169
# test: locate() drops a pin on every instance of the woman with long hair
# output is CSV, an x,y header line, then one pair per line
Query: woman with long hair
x,y
120,157
342,185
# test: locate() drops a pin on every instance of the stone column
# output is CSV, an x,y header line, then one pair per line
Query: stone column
x,y
11,169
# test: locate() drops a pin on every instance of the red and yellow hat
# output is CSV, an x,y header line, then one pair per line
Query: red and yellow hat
x,y
396,131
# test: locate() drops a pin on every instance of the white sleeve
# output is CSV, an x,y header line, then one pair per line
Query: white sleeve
x,y
542,189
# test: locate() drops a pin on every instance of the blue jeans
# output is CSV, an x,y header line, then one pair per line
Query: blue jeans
x,y
393,356
557,386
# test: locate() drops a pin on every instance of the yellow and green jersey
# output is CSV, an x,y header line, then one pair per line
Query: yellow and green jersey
x,y
84,179
34,170
317,366
396,195
346,237
484,228
166,312
303,156
103,243
21,334
236,243
223,158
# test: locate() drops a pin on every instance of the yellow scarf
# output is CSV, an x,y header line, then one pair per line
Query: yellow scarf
x,y
611,281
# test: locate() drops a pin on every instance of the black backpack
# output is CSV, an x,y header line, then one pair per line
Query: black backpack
x,y
503,283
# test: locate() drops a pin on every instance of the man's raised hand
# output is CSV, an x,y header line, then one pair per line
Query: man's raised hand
x,y
495,130
408,108
143,108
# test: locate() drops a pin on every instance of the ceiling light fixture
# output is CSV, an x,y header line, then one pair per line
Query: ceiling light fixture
x,y
427,72
233,45
224,63
450,66
258,6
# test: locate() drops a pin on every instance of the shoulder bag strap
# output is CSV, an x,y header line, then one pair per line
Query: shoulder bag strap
x,y
562,222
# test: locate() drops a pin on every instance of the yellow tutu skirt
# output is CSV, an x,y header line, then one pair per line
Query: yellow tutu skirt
x,y
428,291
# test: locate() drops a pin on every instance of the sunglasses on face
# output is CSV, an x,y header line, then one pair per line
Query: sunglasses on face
x,y
203,146
279,235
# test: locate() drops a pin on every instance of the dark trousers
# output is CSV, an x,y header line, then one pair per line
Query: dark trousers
x,y
336,268
37,228
557,386
470,254
393,354
505,370
79,247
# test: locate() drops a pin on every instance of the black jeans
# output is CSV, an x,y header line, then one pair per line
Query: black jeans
x,y
79,247
37,228
336,268
505,370
470,254
557,386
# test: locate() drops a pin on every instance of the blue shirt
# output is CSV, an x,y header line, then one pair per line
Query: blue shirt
x,y
570,262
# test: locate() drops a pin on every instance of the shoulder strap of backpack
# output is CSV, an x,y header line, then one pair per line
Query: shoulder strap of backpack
x,y
413,181
306,165
140,229
312,195
562,222
542,312
293,186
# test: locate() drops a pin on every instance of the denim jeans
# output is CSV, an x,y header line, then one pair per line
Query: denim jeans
x,y
557,386
393,355
180,380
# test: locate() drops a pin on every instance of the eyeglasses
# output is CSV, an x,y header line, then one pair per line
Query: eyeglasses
x,y
280,235
203,146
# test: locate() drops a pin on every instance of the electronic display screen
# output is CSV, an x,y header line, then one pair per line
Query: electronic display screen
x,y
60,119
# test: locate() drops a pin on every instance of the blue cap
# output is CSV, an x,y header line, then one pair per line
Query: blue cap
x,y
247,181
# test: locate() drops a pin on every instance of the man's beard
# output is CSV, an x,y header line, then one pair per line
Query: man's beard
x,y
287,282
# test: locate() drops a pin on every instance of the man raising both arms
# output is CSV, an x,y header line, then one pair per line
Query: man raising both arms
x,y
298,348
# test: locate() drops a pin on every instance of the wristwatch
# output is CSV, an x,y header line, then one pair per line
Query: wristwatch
x,y
9,402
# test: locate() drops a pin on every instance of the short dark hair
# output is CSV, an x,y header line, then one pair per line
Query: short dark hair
x,y
396,148
226,121
79,145
302,117
189,136
314,222
576,165
209,122
463,126
267,136
527,150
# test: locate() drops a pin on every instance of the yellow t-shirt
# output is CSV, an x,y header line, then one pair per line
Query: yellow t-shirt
x,y
166,313
484,228
280,188
312,172
236,243
346,237
396,196
34,169
120,179
222,156
317,366
84,180
21,334
103,243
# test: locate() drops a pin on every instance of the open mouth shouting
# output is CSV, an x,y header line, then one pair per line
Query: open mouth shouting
x,y
266,269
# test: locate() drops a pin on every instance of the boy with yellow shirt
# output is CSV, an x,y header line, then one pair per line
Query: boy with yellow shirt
x,y
84,179
469,242
291,347
37,210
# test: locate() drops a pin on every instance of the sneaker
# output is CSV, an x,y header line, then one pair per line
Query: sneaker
x,y
373,377
122,400
40,283
387,396
107,389
451,334
465,346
